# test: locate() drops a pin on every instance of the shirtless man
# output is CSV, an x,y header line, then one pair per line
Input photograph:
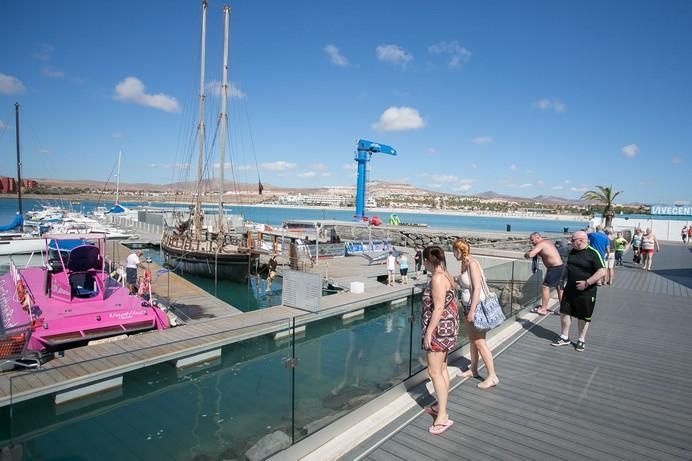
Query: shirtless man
x,y
554,269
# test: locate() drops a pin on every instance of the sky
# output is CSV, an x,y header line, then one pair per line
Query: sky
x,y
525,98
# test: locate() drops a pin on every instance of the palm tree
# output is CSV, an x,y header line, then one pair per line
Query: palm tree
x,y
605,196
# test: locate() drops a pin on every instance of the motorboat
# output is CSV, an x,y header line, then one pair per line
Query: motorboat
x,y
69,301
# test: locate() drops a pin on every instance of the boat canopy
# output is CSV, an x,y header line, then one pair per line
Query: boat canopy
x,y
83,258
117,208
66,245
16,222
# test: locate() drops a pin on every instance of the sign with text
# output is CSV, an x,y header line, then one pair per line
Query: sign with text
x,y
301,290
671,210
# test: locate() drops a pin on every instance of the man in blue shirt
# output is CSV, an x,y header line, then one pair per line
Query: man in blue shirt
x,y
600,242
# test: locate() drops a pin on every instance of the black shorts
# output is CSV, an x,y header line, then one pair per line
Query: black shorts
x,y
403,271
579,305
131,273
553,276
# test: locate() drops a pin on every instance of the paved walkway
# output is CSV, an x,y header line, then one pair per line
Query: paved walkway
x,y
627,397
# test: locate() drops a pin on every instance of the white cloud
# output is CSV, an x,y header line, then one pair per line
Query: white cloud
x,y
474,166
132,90
431,151
567,181
462,188
335,56
52,72
43,151
675,160
513,167
579,189
630,150
529,171
433,186
550,104
318,166
458,55
116,135
3,125
44,52
226,165
399,119
444,178
325,174
393,54
214,87
308,174
279,165
10,84
244,167
558,187
525,185
170,166
481,140
540,182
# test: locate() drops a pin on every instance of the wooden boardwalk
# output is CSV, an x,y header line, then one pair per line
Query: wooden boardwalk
x,y
627,397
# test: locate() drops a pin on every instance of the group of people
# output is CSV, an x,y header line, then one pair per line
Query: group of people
x,y
686,234
392,261
576,283
440,324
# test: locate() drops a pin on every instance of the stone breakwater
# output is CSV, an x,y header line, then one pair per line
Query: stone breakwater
x,y
411,237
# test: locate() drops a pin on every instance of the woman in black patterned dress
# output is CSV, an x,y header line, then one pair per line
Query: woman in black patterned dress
x,y
440,327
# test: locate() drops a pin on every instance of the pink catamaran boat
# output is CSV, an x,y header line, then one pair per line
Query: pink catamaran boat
x,y
69,301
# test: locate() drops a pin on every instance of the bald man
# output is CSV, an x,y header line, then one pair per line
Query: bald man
x,y
553,269
585,267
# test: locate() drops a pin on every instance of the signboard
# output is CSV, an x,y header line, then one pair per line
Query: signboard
x,y
671,210
301,290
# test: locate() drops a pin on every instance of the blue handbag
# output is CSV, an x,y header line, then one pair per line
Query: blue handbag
x,y
488,313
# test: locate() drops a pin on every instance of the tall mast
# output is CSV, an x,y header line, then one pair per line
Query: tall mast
x,y
224,115
198,203
117,183
19,165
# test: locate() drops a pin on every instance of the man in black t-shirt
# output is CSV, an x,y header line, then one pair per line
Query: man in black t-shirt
x,y
418,260
585,267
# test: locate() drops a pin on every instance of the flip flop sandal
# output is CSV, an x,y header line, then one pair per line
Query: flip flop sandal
x,y
535,310
430,410
437,429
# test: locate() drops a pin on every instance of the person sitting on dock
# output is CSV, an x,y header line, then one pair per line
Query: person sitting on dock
x,y
133,262
271,265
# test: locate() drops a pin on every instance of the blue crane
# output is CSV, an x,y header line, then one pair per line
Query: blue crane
x,y
363,154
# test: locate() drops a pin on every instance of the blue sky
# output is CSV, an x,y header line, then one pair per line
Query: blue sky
x,y
521,97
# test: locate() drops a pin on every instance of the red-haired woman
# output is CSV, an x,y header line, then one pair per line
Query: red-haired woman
x,y
471,283
440,326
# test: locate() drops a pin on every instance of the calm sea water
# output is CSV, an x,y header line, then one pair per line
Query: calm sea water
x,y
276,216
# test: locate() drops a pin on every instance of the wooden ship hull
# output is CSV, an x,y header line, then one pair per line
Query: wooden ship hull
x,y
209,258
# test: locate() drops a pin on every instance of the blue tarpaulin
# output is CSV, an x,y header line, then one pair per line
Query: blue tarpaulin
x,y
117,208
17,222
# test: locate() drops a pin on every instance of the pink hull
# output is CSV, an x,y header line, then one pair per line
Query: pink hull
x,y
64,320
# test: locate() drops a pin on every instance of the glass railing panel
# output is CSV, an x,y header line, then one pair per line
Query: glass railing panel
x,y
221,408
499,280
343,363
527,284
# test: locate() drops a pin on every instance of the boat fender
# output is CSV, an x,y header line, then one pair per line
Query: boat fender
x,y
22,297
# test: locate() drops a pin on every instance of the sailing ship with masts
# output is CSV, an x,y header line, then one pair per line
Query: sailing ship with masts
x,y
219,250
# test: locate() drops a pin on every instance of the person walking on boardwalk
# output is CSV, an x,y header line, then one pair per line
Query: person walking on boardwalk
x,y
649,244
403,268
683,234
584,268
637,246
552,261
610,259
620,244
133,262
391,267
418,261
470,280
439,328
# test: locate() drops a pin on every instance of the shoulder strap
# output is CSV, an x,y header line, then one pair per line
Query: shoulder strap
x,y
484,284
